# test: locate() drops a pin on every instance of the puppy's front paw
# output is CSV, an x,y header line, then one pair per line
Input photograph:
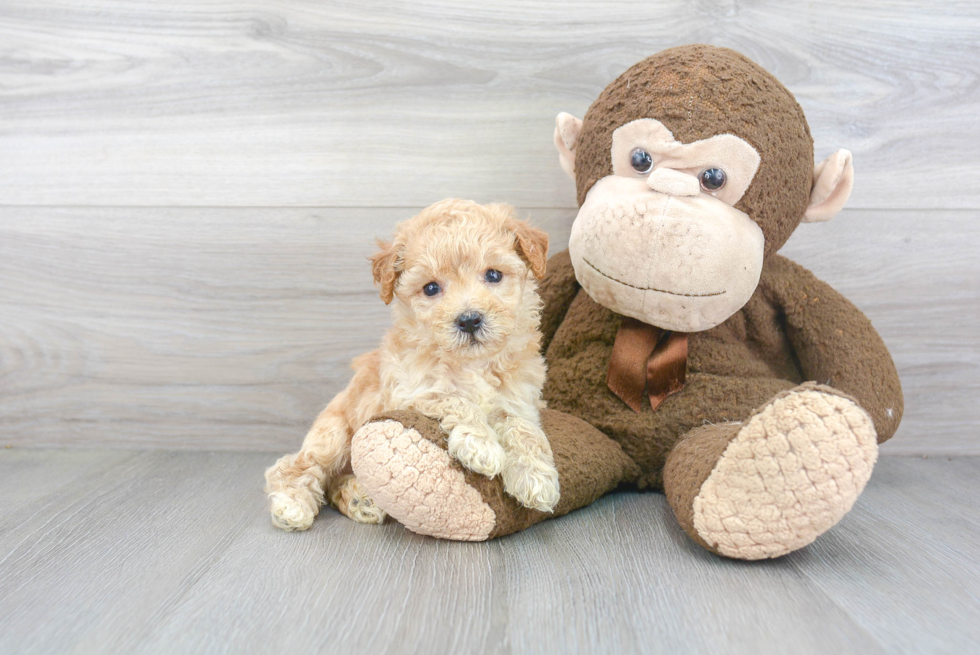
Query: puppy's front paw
x,y
352,501
476,449
293,510
532,481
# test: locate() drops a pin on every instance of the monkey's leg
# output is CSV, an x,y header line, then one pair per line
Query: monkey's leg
x,y
401,461
777,481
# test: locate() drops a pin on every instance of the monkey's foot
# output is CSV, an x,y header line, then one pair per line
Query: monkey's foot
x,y
775,483
351,500
401,460
417,482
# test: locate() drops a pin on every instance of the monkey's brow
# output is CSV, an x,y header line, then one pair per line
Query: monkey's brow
x,y
633,286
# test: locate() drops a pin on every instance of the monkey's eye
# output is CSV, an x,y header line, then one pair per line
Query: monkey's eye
x,y
431,289
712,179
493,276
641,161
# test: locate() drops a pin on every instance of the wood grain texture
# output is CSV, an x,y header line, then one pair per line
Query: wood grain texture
x,y
232,328
29,479
174,552
913,536
182,328
195,304
188,193
95,565
336,103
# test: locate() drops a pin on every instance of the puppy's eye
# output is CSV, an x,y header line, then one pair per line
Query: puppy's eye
x,y
493,276
641,161
431,289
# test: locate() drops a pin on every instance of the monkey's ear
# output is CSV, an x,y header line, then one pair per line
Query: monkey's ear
x,y
567,129
385,267
833,179
532,246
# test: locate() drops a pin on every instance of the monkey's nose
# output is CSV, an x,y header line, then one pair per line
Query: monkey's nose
x,y
469,321
673,183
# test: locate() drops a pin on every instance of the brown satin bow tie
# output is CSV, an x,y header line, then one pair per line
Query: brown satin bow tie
x,y
646,359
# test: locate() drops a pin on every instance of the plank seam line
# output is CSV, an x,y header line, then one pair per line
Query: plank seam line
x,y
411,207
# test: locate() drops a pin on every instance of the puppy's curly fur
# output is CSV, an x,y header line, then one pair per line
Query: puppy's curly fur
x,y
464,349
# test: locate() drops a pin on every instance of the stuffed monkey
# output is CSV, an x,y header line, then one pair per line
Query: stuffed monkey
x,y
684,355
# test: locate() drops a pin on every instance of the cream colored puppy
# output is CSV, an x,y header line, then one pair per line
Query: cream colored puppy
x,y
464,349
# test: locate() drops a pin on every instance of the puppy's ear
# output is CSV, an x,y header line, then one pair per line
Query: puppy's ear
x,y
532,246
386,265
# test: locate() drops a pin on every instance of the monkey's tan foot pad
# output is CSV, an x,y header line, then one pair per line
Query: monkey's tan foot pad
x,y
351,500
416,481
790,473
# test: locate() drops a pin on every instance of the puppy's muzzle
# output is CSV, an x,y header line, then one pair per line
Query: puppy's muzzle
x,y
469,322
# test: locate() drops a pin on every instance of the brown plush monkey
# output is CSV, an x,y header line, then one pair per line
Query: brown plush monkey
x,y
683,353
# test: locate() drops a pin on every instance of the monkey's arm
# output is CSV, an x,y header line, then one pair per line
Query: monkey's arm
x,y
835,343
557,290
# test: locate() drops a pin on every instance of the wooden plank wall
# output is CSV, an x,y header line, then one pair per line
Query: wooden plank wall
x,y
188,190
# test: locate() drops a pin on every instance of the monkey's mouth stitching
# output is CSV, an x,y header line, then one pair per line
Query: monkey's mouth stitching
x,y
633,286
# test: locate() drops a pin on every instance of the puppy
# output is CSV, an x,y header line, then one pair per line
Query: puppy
x,y
464,349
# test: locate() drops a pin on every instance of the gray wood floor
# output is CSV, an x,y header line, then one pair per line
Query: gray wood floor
x,y
172,552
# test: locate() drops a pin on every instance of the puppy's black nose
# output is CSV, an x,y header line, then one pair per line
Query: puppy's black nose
x,y
469,321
